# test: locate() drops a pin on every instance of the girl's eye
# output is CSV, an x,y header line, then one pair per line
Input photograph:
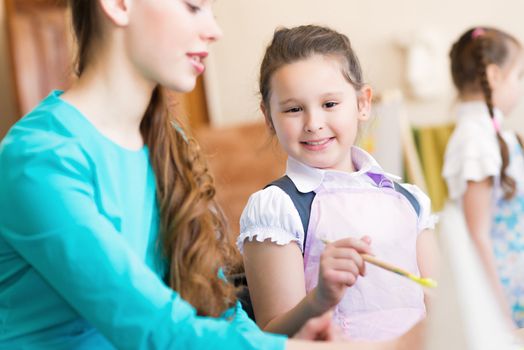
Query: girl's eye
x,y
193,8
330,104
293,110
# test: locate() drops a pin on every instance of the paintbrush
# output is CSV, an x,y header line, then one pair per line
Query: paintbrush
x,y
426,282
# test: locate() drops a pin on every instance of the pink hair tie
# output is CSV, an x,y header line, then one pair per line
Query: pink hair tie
x,y
477,32
496,124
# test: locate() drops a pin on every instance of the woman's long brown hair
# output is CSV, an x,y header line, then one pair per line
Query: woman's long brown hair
x,y
193,236
470,56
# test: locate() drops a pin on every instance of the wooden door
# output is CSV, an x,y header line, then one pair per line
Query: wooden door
x,y
39,44
41,50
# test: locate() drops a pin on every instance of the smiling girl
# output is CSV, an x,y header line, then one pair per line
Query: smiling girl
x,y
313,99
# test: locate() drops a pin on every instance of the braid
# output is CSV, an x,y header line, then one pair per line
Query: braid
x,y
482,74
193,233
508,183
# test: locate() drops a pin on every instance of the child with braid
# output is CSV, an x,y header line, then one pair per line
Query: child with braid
x,y
484,165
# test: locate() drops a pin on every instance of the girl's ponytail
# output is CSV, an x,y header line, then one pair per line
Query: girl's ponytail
x,y
470,57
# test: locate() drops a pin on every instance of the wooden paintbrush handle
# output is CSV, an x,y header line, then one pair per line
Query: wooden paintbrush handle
x,y
372,260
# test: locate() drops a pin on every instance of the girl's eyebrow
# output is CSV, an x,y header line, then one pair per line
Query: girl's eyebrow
x,y
334,93
284,102
325,95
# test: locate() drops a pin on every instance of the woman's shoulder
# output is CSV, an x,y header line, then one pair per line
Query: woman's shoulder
x,y
50,128
40,140
26,139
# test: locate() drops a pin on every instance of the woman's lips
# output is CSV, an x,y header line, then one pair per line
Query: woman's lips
x,y
196,59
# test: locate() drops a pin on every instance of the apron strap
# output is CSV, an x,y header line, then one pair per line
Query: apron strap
x,y
303,201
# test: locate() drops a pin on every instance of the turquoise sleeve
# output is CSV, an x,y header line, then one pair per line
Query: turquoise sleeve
x,y
49,217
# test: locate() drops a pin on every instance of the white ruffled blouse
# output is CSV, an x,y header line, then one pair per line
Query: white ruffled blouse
x,y
473,152
271,214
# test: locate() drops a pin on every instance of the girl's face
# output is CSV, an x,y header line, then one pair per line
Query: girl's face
x,y
508,88
167,40
315,112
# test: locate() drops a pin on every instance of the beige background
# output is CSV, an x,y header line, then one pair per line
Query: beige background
x,y
375,28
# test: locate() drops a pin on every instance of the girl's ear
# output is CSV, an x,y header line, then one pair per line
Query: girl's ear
x,y
117,11
267,117
494,74
364,96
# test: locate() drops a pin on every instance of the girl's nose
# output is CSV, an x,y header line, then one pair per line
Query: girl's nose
x,y
313,124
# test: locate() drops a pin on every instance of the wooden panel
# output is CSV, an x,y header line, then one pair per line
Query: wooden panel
x,y
40,49
40,46
243,159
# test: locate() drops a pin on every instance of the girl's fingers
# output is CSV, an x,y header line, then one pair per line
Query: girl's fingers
x,y
316,328
358,244
346,265
366,239
344,254
341,277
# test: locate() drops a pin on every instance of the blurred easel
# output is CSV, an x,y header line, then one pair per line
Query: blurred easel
x,y
391,102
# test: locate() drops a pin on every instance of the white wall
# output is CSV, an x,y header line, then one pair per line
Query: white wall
x,y
374,28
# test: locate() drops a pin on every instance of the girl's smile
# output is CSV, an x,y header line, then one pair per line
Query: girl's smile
x,y
318,145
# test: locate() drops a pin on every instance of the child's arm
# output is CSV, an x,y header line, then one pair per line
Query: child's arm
x,y
427,256
275,275
411,340
478,213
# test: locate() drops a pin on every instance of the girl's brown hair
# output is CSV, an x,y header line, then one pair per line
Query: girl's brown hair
x,y
470,56
193,233
290,45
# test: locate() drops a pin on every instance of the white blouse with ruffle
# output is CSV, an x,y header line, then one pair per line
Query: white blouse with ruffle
x,y
473,152
271,214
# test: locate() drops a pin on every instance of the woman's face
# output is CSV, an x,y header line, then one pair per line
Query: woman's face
x,y
167,40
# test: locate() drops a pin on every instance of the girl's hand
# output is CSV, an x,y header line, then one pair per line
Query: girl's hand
x,y
320,328
340,266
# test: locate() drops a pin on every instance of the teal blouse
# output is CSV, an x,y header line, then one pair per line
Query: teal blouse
x,y
79,267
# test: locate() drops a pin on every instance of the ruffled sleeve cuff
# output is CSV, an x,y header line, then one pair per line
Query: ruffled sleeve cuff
x,y
457,174
471,155
270,214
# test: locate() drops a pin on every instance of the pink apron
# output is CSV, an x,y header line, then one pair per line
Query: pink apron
x,y
382,305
